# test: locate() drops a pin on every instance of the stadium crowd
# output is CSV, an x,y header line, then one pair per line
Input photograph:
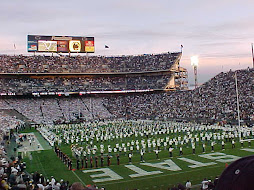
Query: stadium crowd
x,y
61,109
7,123
216,99
86,64
14,176
28,85
206,184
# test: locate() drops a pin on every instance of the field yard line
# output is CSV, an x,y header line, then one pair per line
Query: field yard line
x,y
142,178
78,178
42,167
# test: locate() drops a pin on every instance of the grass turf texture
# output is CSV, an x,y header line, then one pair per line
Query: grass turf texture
x,y
47,163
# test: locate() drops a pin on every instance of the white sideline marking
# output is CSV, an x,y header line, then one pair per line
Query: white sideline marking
x,y
78,178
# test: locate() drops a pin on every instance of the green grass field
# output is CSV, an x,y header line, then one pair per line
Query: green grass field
x,y
47,163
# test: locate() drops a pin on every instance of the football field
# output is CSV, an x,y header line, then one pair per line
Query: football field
x,y
153,173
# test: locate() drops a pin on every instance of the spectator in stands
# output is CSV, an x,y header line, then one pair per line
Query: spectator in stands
x,y
204,184
91,64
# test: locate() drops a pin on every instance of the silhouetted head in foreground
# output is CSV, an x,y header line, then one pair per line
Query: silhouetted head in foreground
x,y
239,175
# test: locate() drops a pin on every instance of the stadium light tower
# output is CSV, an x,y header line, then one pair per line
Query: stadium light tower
x,y
194,63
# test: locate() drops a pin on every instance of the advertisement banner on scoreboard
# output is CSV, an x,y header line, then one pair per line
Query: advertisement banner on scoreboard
x,y
32,46
60,44
75,46
89,46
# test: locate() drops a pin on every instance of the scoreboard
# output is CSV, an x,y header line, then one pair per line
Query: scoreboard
x,y
60,44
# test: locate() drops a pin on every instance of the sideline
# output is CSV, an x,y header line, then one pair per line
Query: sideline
x,y
43,170
78,178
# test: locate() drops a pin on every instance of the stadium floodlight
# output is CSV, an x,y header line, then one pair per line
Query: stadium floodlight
x,y
194,63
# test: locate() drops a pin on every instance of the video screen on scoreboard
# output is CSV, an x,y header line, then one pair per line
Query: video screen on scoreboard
x,y
47,46
60,44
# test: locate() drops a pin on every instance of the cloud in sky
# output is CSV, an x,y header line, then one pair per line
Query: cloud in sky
x,y
219,32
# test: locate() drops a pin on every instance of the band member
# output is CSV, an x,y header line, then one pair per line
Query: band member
x,y
118,159
91,162
222,145
142,155
170,152
109,162
193,148
77,164
180,151
233,144
130,156
212,146
102,161
96,161
70,164
157,153
82,163
203,147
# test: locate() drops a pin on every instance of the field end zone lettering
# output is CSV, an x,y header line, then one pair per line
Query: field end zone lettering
x,y
111,175
166,165
140,172
220,157
196,163
248,149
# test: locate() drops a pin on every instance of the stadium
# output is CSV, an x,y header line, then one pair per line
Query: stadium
x,y
113,105
109,121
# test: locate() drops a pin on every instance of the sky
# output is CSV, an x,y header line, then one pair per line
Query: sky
x,y
219,32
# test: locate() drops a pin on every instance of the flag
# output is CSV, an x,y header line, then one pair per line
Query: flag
x,y
252,54
106,46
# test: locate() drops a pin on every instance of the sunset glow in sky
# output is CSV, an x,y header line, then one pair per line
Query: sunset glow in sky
x,y
219,32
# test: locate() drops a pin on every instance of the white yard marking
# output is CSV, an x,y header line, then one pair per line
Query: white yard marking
x,y
220,157
248,149
196,163
111,175
166,165
140,172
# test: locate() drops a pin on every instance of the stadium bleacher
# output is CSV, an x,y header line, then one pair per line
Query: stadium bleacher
x,y
27,85
211,101
87,64
215,100
23,75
